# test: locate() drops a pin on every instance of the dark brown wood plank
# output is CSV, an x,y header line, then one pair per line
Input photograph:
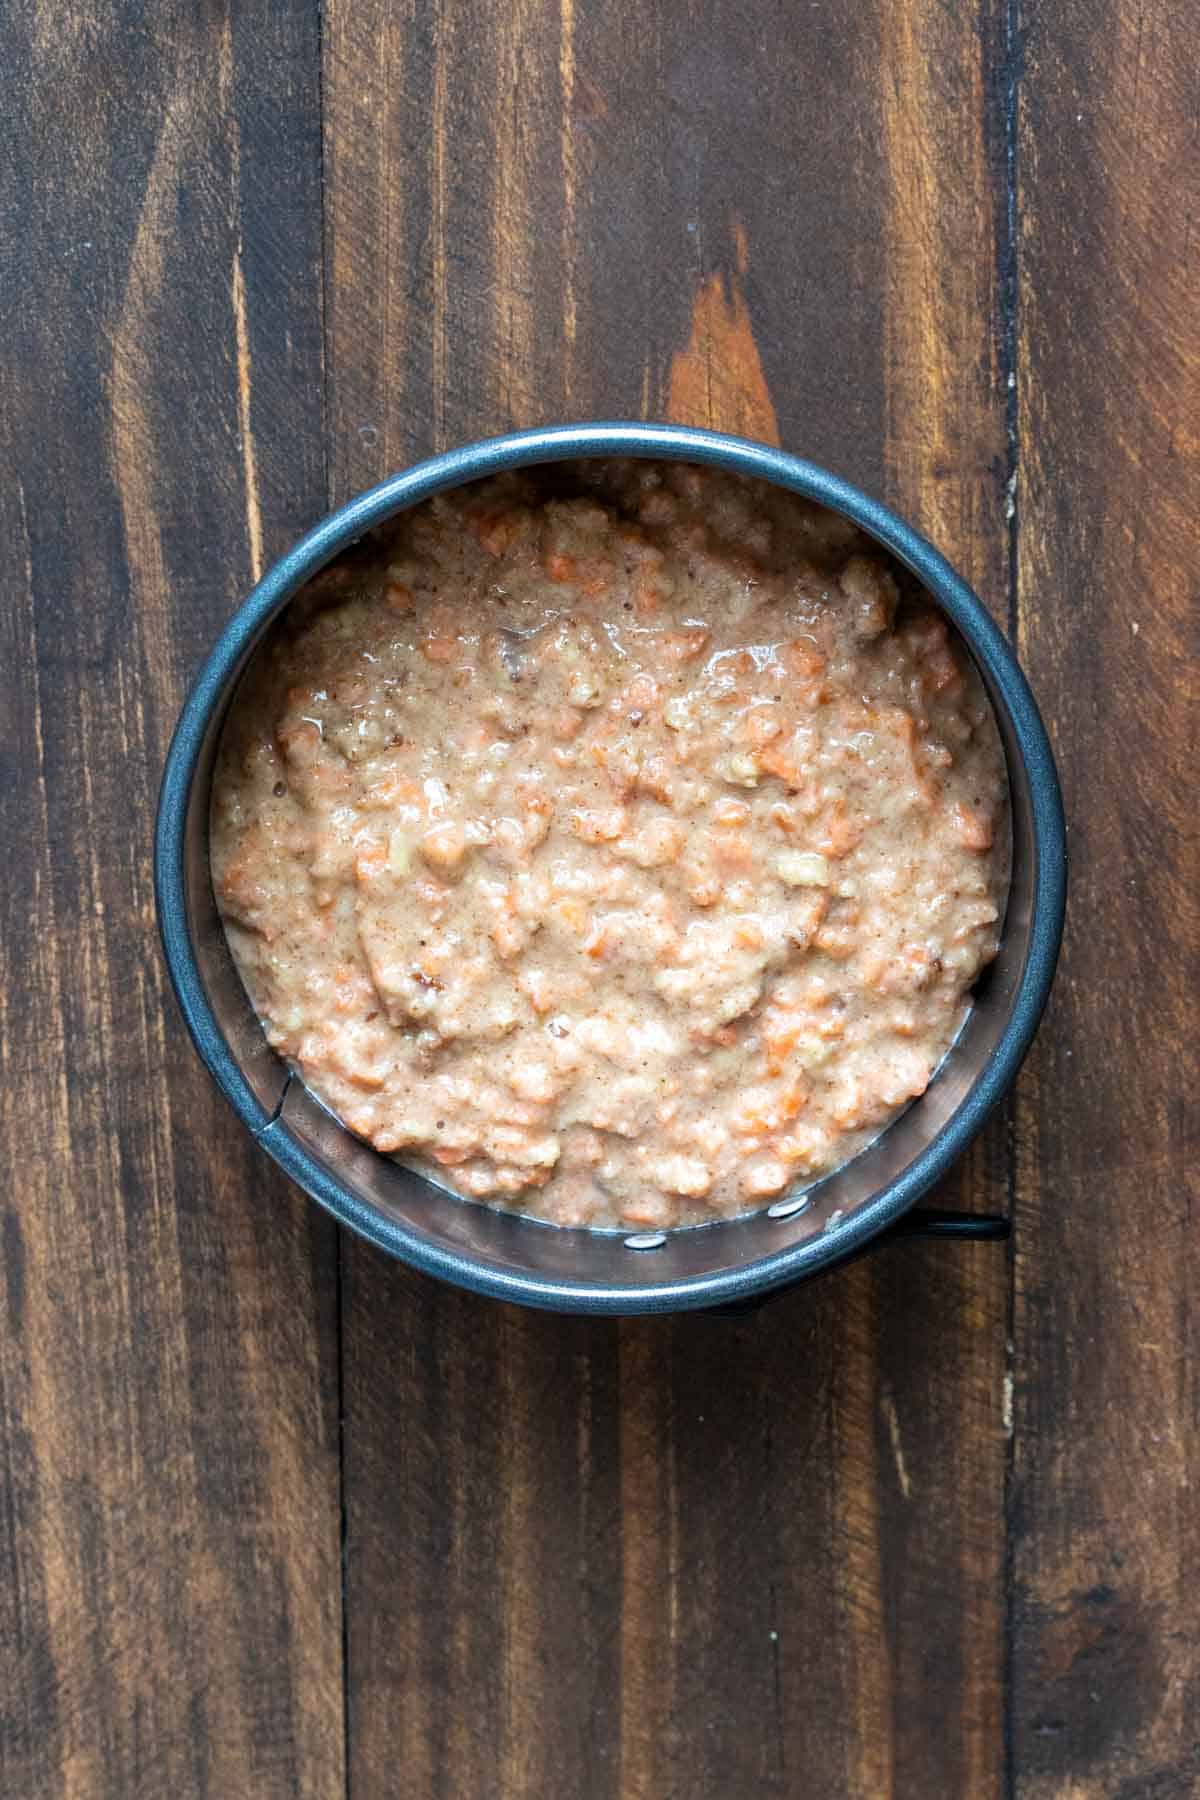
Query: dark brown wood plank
x,y
169,1560
691,1557
1107,1496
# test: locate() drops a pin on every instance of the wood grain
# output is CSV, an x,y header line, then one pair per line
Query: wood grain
x,y
697,1557
1107,1497
690,1557
169,1580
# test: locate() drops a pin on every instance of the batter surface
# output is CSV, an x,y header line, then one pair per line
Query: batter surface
x,y
614,842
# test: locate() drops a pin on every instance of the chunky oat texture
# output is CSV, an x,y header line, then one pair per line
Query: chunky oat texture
x,y
617,845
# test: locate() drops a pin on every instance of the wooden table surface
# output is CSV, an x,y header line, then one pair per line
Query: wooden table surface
x,y
279,1517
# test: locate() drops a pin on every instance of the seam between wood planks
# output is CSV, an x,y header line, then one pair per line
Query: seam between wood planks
x,y
339,1270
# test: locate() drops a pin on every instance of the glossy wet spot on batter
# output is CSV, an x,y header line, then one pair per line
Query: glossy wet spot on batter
x,y
618,844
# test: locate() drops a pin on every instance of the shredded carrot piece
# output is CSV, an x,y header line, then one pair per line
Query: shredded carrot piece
x,y
370,859
439,649
802,657
560,567
974,828
777,762
683,646
496,530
